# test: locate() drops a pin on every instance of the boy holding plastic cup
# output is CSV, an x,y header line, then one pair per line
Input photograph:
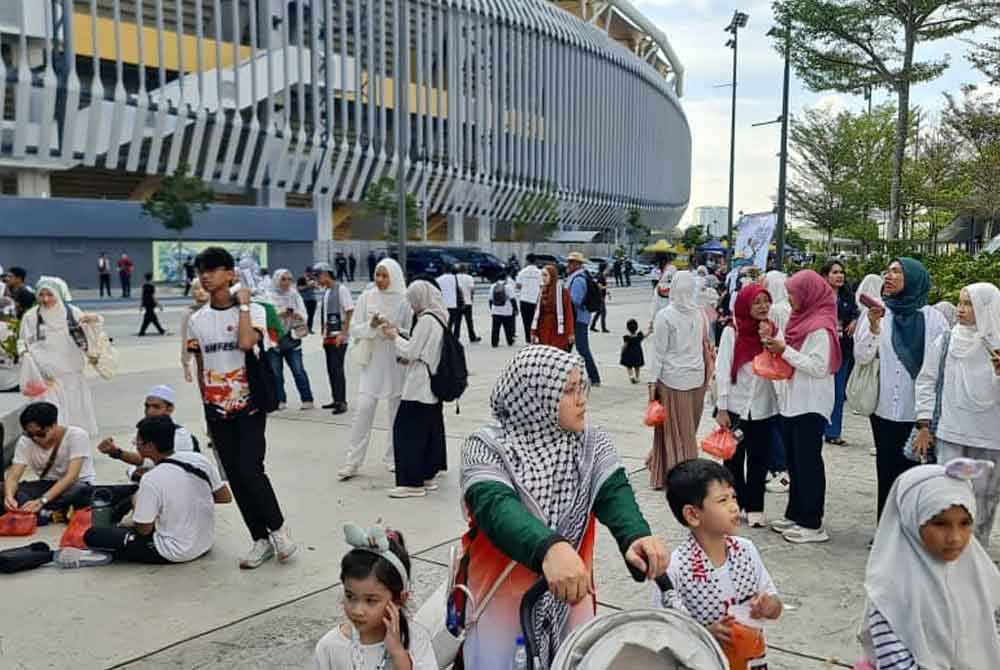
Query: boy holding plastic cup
x,y
719,578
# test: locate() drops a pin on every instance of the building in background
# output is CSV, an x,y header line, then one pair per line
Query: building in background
x,y
288,107
712,220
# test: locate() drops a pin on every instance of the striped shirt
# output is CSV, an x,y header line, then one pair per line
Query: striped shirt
x,y
888,651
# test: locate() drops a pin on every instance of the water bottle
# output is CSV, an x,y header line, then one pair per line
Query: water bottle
x,y
520,660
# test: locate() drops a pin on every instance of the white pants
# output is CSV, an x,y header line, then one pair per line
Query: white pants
x,y
361,428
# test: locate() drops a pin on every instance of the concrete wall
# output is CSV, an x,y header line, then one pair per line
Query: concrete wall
x,y
63,236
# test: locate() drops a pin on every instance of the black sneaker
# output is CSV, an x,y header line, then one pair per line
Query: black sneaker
x,y
329,405
341,408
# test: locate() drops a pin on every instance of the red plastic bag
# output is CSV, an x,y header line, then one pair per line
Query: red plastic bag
x,y
18,524
79,524
719,443
33,382
771,366
656,414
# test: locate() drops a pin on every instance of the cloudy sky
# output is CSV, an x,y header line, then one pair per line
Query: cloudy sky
x,y
695,29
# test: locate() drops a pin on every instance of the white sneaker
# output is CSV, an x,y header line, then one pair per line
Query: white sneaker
x,y
282,405
779,483
346,472
307,405
431,485
782,525
283,544
260,552
407,492
756,520
799,535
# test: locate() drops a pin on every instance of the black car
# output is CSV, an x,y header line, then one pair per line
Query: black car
x,y
480,263
548,259
425,261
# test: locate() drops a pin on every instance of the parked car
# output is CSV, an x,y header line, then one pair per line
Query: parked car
x,y
426,261
545,259
481,263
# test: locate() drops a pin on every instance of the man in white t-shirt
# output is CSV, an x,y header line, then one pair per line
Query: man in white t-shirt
x,y
453,299
220,336
336,310
529,288
467,286
174,507
60,456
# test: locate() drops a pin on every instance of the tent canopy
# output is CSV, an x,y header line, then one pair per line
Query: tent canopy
x,y
660,247
712,246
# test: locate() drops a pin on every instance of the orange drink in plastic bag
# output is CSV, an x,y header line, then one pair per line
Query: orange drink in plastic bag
x,y
748,650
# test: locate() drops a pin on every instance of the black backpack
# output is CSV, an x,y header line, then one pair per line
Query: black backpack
x,y
499,297
452,376
261,380
592,301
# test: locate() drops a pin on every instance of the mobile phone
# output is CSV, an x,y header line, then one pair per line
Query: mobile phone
x,y
870,302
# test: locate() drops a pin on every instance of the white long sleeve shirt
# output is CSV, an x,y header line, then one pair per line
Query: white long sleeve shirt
x,y
896,398
448,283
753,398
529,284
678,350
423,349
961,421
811,388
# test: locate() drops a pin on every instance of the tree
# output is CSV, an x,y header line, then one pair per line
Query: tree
x,y
382,199
693,237
821,184
850,45
793,238
936,183
976,122
537,216
986,55
637,232
175,203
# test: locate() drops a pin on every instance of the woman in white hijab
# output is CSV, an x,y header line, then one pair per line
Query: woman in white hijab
x,y
53,337
661,293
419,447
291,311
969,395
383,302
781,309
933,592
678,377
870,286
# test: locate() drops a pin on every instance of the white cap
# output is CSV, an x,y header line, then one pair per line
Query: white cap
x,y
164,393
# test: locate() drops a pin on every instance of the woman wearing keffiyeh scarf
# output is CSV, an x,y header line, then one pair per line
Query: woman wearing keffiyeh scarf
x,y
534,483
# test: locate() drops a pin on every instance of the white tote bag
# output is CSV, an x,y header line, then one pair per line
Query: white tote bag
x,y
862,388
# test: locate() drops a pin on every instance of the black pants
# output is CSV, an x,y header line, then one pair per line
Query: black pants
x,y
455,321
310,312
508,329
240,444
467,313
420,449
371,271
341,274
105,281
618,279
126,281
79,494
149,319
890,463
749,463
335,370
803,438
603,316
527,316
124,544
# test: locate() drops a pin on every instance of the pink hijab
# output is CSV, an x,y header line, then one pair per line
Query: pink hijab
x,y
816,309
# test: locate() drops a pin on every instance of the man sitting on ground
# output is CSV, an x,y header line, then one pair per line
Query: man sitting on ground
x,y
174,513
59,455
160,401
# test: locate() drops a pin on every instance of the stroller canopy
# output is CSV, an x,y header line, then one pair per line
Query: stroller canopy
x,y
641,640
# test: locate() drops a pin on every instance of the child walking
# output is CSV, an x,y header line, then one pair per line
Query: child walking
x,y
632,359
377,634
714,570
933,592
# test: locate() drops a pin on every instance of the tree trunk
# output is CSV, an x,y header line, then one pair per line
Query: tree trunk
x,y
902,132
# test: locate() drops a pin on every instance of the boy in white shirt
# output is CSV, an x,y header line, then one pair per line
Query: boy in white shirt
x,y
714,569
502,310
174,507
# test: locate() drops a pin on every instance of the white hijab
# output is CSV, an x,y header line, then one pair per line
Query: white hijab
x,y
283,299
387,302
969,353
683,299
870,286
942,612
54,317
425,297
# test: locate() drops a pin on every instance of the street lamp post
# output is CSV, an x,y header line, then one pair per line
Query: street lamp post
x,y
738,21
783,165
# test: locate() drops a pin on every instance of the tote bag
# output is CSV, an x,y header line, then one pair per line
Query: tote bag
x,y
862,388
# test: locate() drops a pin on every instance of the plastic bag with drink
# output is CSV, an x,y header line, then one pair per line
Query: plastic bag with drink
x,y
749,648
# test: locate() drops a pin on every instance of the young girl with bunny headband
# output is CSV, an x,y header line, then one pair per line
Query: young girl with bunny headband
x,y
377,634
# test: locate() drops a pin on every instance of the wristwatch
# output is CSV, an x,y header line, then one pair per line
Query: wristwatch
x,y
244,308
45,501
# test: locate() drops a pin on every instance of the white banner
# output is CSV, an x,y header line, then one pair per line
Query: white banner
x,y
753,240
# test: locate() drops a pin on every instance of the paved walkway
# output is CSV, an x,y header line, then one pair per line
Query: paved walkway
x,y
210,615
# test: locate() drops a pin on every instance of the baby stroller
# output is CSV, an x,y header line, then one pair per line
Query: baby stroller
x,y
628,640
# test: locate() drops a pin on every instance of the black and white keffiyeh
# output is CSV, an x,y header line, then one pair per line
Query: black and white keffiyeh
x,y
556,473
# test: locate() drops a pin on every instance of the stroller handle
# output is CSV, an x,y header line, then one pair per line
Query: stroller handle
x,y
535,593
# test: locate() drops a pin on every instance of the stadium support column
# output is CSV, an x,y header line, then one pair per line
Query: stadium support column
x,y
33,183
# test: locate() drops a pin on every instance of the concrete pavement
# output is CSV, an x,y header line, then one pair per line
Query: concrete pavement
x,y
208,614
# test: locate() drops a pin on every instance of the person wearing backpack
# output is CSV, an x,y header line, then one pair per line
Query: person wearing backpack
x,y
502,310
418,430
586,298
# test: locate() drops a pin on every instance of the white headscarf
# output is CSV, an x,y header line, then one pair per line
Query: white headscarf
x,y
387,302
948,311
54,317
682,293
969,353
871,286
283,299
425,297
941,612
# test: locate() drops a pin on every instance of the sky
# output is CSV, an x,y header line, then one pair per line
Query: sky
x,y
695,30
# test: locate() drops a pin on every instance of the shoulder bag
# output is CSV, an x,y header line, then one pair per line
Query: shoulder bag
x,y
936,416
